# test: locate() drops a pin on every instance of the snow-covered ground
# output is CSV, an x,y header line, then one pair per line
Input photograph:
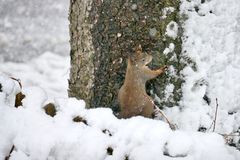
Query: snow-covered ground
x,y
48,71
211,38
35,135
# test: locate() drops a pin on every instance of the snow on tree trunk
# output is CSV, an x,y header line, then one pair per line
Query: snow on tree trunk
x,y
104,33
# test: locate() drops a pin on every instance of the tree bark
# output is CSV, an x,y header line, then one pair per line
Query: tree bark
x,y
103,34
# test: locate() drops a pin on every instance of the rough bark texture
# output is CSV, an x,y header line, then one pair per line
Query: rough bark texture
x,y
82,51
104,33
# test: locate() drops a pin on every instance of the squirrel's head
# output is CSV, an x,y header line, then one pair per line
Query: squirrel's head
x,y
140,58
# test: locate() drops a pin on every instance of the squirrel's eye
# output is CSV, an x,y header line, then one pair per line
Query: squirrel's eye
x,y
143,60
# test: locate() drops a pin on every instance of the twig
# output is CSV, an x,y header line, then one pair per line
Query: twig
x,y
225,136
7,158
229,135
172,126
156,108
18,80
215,117
229,138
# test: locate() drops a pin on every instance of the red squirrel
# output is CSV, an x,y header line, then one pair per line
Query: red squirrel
x,y
132,96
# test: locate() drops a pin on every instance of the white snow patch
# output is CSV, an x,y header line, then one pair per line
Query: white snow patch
x,y
172,30
169,49
166,11
179,144
169,90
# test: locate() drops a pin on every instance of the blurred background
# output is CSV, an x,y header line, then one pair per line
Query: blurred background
x,y
29,28
34,44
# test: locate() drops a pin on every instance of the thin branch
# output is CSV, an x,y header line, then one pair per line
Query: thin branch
x,y
155,107
229,135
172,126
9,155
215,117
18,80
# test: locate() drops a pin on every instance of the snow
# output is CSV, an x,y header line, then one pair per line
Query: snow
x,y
172,30
48,71
36,135
166,11
211,38
179,144
8,90
169,90
169,49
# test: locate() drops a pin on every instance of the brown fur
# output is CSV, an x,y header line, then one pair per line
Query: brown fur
x,y
132,96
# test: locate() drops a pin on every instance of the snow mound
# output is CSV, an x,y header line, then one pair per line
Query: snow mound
x,y
48,71
93,134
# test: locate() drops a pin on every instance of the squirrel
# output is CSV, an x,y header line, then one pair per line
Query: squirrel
x,y
132,96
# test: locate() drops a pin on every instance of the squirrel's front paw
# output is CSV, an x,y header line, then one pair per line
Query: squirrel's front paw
x,y
164,68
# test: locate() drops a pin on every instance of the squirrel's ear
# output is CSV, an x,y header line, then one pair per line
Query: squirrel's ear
x,y
138,51
138,48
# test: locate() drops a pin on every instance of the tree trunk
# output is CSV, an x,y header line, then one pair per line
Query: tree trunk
x,y
104,33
